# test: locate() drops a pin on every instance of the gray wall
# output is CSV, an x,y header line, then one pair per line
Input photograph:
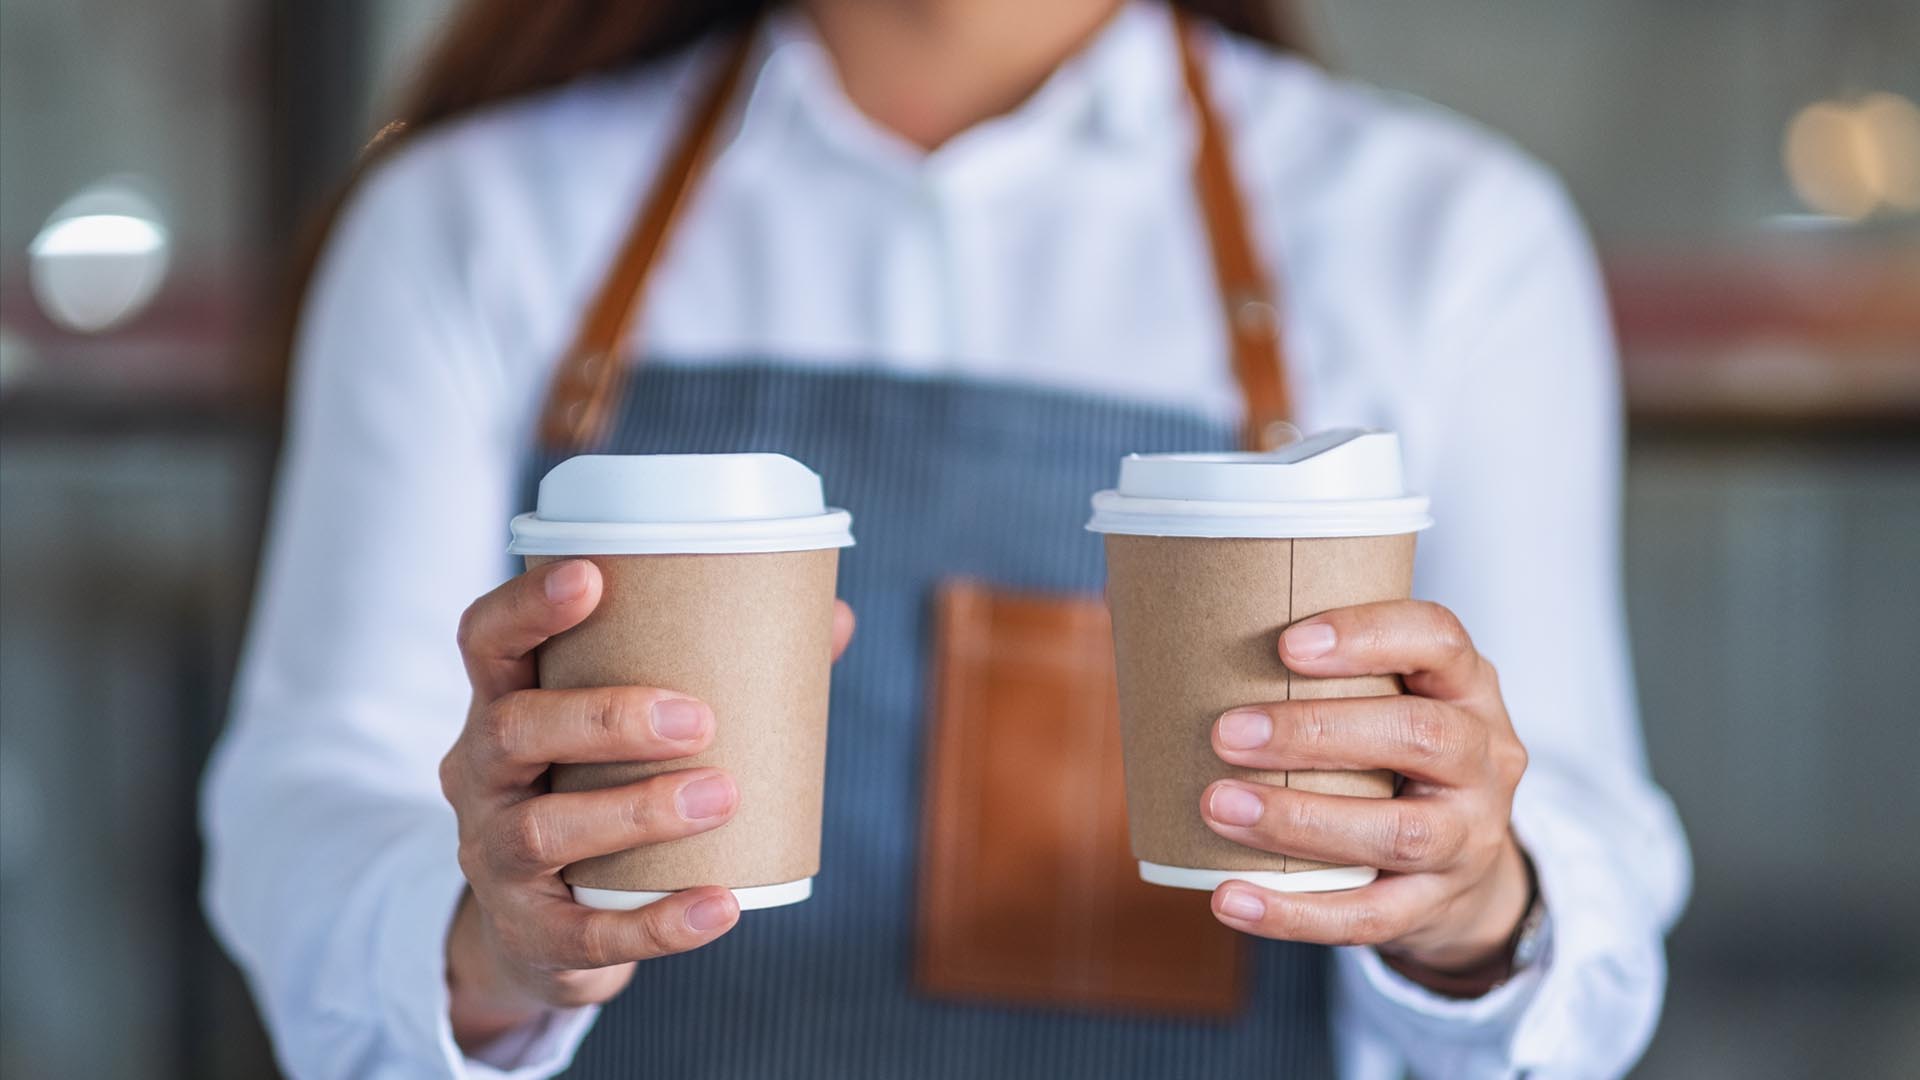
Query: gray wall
x,y
1774,594
1664,116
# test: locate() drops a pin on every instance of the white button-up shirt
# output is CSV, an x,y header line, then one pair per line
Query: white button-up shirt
x,y
1433,280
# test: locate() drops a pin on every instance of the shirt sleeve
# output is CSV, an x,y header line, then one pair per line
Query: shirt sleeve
x,y
332,873
1524,467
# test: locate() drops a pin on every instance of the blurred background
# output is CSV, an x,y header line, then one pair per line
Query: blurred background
x,y
1751,170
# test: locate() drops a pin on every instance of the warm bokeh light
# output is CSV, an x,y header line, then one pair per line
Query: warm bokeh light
x,y
1825,164
1894,125
1852,159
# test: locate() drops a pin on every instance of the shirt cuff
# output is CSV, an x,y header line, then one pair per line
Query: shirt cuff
x,y
1392,1018
541,1049
1600,997
411,978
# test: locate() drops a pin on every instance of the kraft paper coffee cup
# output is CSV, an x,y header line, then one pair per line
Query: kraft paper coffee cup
x,y
719,575
1209,558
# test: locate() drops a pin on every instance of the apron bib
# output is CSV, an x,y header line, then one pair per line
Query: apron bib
x,y
932,469
976,863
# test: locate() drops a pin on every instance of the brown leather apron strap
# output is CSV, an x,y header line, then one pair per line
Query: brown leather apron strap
x,y
1246,293
585,388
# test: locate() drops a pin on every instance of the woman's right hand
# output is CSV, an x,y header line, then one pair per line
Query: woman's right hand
x,y
519,943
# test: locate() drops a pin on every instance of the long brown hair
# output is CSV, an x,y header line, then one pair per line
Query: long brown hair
x,y
496,50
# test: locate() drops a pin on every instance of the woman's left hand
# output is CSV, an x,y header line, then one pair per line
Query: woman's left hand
x,y
1455,883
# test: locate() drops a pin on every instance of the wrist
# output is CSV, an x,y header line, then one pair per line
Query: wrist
x,y
1478,957
482,1003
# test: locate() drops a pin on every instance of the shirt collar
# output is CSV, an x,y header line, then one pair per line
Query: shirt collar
x,y
1119,92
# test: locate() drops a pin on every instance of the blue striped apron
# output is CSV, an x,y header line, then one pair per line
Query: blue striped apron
x,y
946,477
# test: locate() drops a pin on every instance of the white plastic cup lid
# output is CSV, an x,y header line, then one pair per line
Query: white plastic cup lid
x,y
663,504
1344,482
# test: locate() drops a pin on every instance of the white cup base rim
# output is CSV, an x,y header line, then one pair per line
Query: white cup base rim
x,y
751,898
1327,880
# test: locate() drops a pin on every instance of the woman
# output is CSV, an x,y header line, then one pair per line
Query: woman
x,y
954,254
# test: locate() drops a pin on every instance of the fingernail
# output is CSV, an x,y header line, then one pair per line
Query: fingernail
x,y
567,582
1245,729
1243,905
705,798
710,914
1308,641
680,718
1231,805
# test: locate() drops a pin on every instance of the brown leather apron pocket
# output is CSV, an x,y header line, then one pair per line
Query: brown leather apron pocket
x,y
1028,888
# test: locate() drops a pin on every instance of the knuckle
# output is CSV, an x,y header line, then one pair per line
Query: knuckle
x,y
450,776
642,813
1411,838
1301,817
618,713
584,943
1312,724
523,839
468,631
1447,629
1425,729
473,861
656,937
607,943
1490,673
502,725
1510,759
1365,924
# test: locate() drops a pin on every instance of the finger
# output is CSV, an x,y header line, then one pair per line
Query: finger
x,y
499,632
578,937
842,627
1423,642
1408,833
522,732
1421,737
538,836
1370,915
